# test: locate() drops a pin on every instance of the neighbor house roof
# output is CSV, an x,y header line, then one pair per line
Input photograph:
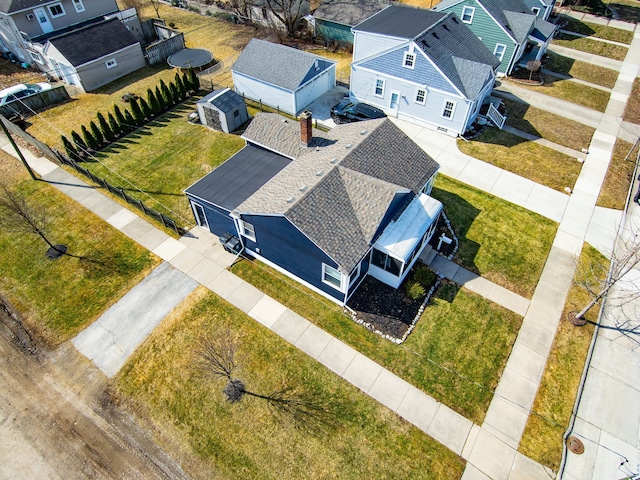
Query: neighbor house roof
x,y
338,189
401,22
11,6
279,65
94,41
223,99
451,45
349,12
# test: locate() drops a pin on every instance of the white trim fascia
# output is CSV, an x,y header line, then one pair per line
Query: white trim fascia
x,y
234,72
76,67
429,88
479,2
326,70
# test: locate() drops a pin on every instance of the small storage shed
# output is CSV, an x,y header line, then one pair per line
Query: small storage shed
x,y
223,110
282,77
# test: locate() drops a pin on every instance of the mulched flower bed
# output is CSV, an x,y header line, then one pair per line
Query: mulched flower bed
x,y
521,75
386,310
444,227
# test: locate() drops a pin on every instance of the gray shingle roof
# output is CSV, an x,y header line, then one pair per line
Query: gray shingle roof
x,y
520,24
545,28
349,12
343,213
401,22
10,6
279,65
224,100
94,41
338,189
502,11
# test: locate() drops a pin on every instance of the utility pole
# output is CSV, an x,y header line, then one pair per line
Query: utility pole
x,y
22,159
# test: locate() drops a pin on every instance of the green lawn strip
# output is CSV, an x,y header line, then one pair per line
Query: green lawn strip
x,y
547,125
602,49
359,438
163,158
59,298
542,438
588,72
456,353
632,110
572,92
598,31
527,159
503,242
615,188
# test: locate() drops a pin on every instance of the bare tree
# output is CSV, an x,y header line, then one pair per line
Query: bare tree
x,y
17,215
617,284
156,6
239,7
533,66
287,12
215,358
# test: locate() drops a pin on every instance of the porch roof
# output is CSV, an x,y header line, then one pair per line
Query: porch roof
x,y
401,236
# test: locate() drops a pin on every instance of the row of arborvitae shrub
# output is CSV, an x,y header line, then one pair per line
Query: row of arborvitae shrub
x,y
117,124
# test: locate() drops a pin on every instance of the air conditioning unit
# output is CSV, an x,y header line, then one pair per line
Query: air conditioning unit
x,y
30,16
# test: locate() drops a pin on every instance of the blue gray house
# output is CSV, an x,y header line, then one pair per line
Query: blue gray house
x,y
334,18
325,208
541,8
422,66
282,77
509,28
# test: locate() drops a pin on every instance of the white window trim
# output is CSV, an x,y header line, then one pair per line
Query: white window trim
x,y
78,5
413,60
324,273
424,98
354,275
495,51
375,87
49,7
247,230
36,57
111,63
535,10
473,12
444,109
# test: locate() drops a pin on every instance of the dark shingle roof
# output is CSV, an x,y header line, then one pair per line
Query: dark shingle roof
x,y
401,22
224,100
502,11
279,65
459,54
239,177
349,12
10,6
94,41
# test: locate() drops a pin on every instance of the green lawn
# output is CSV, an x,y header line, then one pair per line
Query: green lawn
x,y
615,188
530,160
456,352
59,298
548,125
163,158
598,31
615,52
358,437
584,95
542,438
588,72
502,242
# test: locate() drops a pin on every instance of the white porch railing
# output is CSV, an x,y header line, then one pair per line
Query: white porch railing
x,y
496,117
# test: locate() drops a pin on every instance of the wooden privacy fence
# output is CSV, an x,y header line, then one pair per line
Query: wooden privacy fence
x,y
161,217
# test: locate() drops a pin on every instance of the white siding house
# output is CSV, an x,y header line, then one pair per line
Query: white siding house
x,y
282,77
422,66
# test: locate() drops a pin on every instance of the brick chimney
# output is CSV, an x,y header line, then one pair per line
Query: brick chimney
x,y
306,128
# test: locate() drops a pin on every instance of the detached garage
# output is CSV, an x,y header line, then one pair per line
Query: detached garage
x,y
95,55
282,77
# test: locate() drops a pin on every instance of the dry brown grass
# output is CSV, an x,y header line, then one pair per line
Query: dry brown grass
x,y
615,188
542,438
632,110
572,92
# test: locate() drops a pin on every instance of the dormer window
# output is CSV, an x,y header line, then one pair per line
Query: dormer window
x,y
409,60
467,14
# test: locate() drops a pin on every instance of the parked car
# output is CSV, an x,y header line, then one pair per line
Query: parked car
x,y
22,90
347,111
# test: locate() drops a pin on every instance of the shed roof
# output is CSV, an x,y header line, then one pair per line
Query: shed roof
x,y
279,65
223,99
349,12
93,41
